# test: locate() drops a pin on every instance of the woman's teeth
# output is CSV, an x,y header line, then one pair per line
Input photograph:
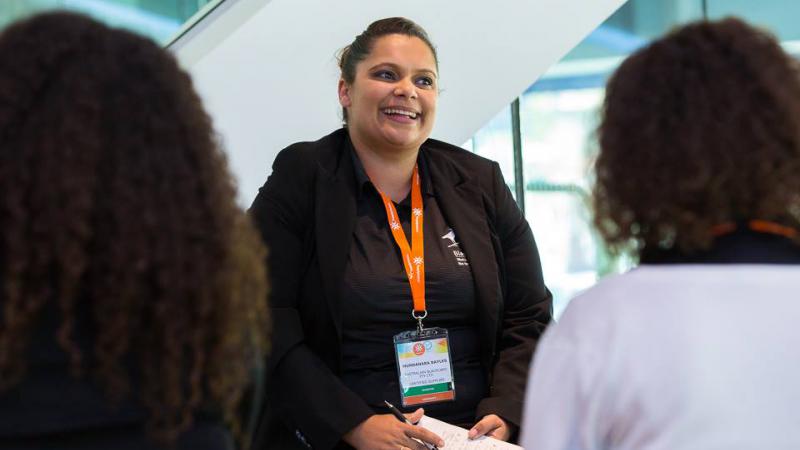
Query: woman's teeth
x,y
403,112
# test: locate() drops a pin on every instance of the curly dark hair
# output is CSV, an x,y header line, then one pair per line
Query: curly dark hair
x,y
115,199
699,128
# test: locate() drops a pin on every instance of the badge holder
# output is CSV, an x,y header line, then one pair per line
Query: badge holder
x,y
424,366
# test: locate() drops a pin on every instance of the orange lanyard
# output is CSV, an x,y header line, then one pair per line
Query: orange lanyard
x,y
759,226
413,257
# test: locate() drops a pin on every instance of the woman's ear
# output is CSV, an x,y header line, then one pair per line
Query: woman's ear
x,y
344,93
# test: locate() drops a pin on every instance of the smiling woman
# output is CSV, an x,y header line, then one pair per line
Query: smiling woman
x,y
391,102
374,228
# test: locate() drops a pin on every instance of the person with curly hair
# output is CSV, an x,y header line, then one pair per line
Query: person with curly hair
x,y
132,297
698,175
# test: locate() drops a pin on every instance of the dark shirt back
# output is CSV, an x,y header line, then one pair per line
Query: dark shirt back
x,y
52,409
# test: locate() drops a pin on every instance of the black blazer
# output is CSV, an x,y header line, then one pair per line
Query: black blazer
x,y
306,212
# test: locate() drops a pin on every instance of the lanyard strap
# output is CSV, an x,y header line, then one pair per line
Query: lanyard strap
x,y
759,226
413,257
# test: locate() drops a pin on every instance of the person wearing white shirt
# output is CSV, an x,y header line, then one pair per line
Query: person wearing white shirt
x,y
698,175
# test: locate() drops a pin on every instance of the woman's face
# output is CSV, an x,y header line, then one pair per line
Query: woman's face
x,y
392,100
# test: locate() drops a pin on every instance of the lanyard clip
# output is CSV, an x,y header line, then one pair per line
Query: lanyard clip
x,y
419,318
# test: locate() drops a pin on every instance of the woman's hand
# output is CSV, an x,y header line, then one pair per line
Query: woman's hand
x,y
493,426
385,432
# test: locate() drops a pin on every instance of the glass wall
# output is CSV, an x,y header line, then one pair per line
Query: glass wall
x,y
158,19
558,117
779,16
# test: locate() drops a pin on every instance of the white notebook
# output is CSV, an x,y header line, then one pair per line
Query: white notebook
x,y
455,437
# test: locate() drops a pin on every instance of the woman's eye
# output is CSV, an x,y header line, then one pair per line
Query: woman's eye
x,y
384,74
425,81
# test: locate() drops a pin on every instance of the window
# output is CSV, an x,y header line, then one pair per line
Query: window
x,y
161,20
558,117
778,16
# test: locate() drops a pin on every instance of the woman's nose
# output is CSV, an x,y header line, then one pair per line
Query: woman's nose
x,y
406,88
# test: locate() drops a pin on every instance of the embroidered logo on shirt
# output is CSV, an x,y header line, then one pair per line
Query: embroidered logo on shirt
x,y
451,236
461,258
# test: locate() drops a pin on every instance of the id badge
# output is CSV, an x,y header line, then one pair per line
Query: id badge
x,y
424,366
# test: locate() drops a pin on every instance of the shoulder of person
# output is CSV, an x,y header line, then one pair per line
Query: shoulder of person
x,y
610,299
294,170
308,154
456,154
467,165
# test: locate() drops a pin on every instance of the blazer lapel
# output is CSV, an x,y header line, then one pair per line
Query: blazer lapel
x,y
462,206
335,218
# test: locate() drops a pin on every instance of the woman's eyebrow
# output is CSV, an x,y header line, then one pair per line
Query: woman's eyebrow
x,y
397,68
429,72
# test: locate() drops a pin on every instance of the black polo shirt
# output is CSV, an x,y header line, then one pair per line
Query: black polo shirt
x,y
377,303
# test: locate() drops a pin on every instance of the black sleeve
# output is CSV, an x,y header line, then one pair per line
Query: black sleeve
x,y
527,305
302,390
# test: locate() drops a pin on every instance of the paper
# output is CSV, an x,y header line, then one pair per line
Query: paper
x,y
455,437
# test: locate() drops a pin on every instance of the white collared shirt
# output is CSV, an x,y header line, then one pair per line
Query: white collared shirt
x,y
674,357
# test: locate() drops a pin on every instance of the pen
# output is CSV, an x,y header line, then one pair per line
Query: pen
x,y
396,412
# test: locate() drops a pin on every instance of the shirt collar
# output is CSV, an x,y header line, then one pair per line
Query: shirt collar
x,y
362,180
743,246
